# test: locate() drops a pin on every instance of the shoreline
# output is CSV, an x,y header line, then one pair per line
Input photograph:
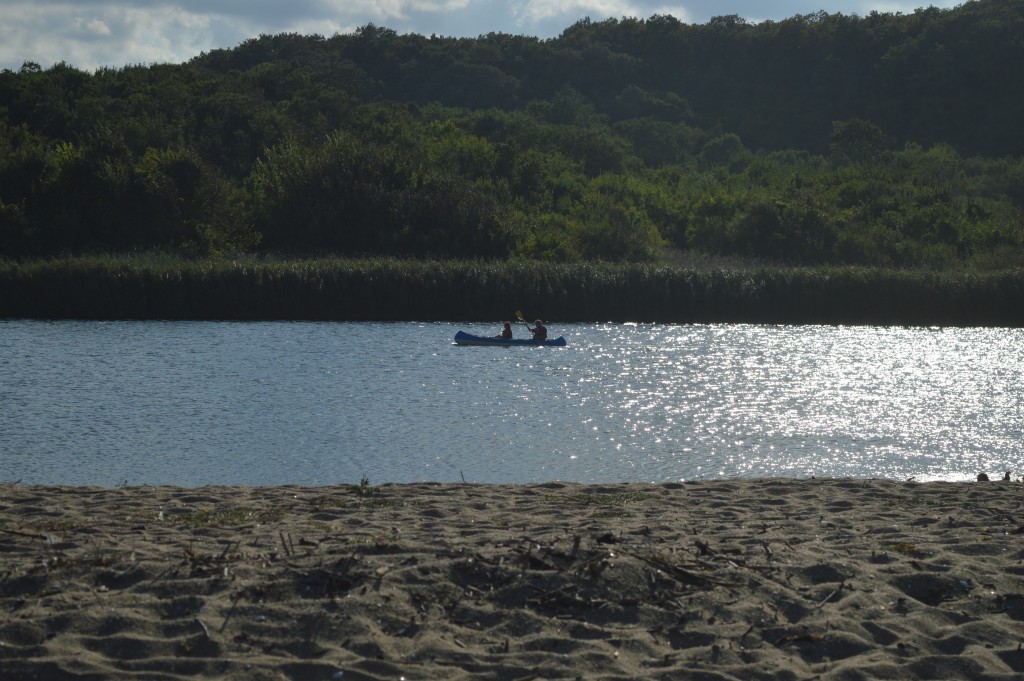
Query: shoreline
x,y
727,579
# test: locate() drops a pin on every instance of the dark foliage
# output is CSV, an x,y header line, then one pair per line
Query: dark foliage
x,y
888,139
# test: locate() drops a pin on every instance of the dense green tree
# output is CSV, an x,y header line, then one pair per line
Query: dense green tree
x,y
356,197
727,151
857,141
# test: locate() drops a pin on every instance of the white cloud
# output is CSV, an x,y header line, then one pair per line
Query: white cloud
x,y
91,27
545,17
900,7
538,10
677,11
332,10
90,35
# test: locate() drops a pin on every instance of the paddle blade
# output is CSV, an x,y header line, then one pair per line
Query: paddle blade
x,y
519,316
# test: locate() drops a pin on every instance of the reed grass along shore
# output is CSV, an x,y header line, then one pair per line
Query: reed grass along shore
x,y
403,290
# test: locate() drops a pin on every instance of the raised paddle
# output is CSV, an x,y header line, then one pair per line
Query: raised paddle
x,y
519,316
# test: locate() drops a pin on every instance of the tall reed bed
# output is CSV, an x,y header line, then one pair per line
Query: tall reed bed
x,y
151,287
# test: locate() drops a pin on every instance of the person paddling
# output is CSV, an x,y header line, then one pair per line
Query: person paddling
x,y
539,331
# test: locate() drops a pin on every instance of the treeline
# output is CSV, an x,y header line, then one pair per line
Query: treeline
x,y
381,289
887,140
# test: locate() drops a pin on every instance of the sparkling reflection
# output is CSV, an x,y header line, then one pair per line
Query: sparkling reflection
x,y
723,401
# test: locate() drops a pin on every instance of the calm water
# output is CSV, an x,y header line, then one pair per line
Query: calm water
x,y
198,403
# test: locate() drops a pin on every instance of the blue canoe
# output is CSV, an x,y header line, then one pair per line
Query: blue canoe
x,y
463,338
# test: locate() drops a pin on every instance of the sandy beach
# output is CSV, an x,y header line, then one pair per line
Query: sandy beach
x,y
762,579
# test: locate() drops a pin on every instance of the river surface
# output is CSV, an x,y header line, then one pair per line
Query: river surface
x,y
196,403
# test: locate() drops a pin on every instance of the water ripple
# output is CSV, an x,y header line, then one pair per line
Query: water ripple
x,y
274,403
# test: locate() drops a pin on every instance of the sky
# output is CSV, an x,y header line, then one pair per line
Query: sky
x,y
91,34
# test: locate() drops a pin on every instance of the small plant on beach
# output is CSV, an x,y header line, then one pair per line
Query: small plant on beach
x,y
364,488
906,549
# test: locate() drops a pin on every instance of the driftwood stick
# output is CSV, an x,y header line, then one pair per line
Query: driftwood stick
x,y
203,625
284,543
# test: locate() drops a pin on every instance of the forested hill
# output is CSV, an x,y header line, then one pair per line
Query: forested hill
x,y
889,139
949,76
